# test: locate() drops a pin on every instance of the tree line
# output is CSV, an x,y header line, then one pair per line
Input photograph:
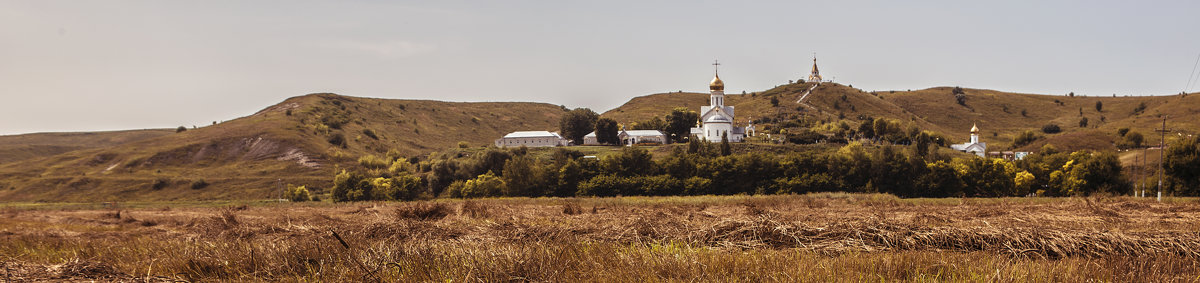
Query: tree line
x,y
702,168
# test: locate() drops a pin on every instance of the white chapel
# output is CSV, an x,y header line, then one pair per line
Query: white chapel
x,y
716,119
975,146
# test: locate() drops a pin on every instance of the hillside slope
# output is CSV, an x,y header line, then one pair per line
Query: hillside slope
x,y
1000,115
27,146
302,141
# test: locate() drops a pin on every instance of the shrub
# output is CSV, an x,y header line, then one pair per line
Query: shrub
x,y
338,139
350,186
486,185
1024,139
424,211
370,133
463,144
806,136
1051,129
160,183
1083,122
1141,107
199,184
180,129
297,193
374,162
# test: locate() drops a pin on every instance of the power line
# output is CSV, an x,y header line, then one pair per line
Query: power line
x,y
1192,75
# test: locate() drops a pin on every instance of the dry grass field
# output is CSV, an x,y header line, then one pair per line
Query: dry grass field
x,y
816,237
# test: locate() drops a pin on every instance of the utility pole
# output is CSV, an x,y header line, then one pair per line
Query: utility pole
x,y
1141,173
1162,142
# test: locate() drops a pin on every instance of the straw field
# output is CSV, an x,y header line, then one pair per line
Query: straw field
x,y
815,237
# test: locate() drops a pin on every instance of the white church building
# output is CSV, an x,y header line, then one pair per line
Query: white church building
x,y
975,146
717,119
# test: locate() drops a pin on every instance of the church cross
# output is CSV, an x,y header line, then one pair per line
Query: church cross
x,y
715,65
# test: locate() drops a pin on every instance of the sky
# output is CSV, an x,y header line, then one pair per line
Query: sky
x,y
113,65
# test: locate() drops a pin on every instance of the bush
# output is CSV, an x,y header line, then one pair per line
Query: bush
x,y
374,162
160,183
180,129
1051,129
351,186
297,193
370,133
486,185
199,184
424,211
1024,138
806,136
1141,107
338,139
463,144
1083,122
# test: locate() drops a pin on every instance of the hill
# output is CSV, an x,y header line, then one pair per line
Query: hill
x,y
302,141
1000,115
21,147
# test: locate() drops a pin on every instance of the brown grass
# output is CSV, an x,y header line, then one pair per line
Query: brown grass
x,y
733,238
424,211
474,209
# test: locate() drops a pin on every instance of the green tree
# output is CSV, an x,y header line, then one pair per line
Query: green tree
x,y
867,128
520,176
578,123
606,131
726,150
631,161
351,186
486,185
569,177
940,180
1183,164
655,123
1099,106
679,124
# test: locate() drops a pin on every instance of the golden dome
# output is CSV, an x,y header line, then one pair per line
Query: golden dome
x,y
716,84
974,129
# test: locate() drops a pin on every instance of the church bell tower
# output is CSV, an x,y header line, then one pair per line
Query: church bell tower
x,y
717,87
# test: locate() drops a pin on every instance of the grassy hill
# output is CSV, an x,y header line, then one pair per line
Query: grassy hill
x,y
1001,116
21,147
302,140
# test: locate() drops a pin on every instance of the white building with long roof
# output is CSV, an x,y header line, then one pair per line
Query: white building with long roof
x,y
531,139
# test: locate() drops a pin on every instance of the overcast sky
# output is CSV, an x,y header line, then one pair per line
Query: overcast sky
x,y
109,65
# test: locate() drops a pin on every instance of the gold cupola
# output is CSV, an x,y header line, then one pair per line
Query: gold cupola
x,y
716,84
974,129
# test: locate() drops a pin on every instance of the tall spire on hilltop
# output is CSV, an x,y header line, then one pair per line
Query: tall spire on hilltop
x,y
815,76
